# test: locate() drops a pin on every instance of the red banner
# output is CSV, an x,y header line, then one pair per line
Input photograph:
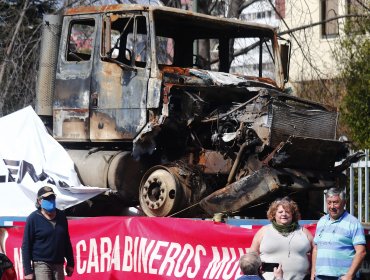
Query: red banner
x,y
149,248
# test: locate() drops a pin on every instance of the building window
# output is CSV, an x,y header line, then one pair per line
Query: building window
x,y
329,9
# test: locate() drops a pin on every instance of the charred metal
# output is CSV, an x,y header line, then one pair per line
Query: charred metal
x,y
177,129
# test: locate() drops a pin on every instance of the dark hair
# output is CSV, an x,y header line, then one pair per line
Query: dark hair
x,y
288,205
37,204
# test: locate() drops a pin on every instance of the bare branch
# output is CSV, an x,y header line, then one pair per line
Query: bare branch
x,y
246,4
289,31
10,47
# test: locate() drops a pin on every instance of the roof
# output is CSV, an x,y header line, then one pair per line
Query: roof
x,y
165,10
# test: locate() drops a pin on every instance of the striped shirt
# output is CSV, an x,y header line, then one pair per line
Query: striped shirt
x,y
335,242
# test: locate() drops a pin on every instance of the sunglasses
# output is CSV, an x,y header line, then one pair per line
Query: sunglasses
x,y
50,197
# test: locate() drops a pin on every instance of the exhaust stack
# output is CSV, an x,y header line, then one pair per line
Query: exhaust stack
x,y
52,25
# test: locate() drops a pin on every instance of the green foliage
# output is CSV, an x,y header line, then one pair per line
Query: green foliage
x,y
354,57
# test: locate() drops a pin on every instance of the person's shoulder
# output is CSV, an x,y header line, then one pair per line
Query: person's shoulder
x,y
307,233
257,239
61,215
33,214
323,219
263,229
349,217
60,212
33,217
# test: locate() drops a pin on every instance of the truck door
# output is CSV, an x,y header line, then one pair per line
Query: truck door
x,y
73,78
120,78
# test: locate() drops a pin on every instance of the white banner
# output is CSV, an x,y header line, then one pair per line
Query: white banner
x,y
29,158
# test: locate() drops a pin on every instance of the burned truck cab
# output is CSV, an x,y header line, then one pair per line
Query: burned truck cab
x,y
174,110
102,77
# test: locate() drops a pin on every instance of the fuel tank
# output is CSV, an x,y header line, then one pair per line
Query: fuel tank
x,y
116,170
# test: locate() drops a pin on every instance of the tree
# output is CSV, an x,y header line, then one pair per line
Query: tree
x,y
19,50
353,57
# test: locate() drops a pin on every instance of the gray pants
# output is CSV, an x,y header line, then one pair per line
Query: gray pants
x,y
47,271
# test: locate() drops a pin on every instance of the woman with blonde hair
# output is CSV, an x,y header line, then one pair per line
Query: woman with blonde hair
x,y
284,241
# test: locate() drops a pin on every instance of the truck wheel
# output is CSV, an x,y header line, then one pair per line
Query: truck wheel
x,y
160,192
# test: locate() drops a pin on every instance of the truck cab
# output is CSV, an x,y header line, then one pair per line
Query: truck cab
x,y
112,64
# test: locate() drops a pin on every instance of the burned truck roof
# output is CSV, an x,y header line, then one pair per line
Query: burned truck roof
x,y
173,19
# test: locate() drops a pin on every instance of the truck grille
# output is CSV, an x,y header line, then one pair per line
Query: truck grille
x,y
299,120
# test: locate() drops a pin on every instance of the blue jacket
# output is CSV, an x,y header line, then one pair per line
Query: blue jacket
x,y
43,241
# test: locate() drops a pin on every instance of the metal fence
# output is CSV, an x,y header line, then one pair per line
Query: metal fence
x,y
359,188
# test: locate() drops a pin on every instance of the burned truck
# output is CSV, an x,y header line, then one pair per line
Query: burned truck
x,y
145,111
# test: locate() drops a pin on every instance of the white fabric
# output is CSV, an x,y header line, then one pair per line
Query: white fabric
x,y
24,142
219,78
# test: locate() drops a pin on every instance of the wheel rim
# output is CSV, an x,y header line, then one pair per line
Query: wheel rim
x,y
159,192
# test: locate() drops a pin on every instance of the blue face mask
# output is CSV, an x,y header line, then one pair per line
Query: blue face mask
x,y
48,205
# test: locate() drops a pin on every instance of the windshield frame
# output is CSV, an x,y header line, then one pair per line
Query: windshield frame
x,y
221,28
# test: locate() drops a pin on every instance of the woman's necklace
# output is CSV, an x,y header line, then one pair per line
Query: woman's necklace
x,y
290,240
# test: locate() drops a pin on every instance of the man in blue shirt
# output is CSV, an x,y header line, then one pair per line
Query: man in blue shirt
x,y
46,240
339,241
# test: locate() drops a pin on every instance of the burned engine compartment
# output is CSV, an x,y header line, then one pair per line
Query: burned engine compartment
x,y
227,146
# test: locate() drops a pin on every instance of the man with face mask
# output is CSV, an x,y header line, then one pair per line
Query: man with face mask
x,y
46,240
